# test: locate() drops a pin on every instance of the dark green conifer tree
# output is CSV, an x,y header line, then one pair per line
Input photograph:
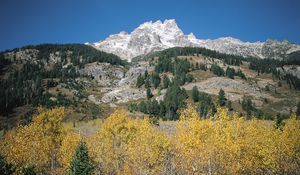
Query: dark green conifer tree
x,y
5,168
221,98
81,163
195,94
149,93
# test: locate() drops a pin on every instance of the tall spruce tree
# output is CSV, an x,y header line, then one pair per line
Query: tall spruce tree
x,y
6,168
81,163
166,81
229,105
155,80
298,109
195,94
247,105
149,93
221,98
230,72
140,81
174,99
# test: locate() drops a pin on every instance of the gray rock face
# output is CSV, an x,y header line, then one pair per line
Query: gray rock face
x,y
290,69
117,82
233,46
105,73
123,95
125,89
278,49
132,74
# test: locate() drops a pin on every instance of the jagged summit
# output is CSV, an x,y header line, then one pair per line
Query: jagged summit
x,y
149,36
154,36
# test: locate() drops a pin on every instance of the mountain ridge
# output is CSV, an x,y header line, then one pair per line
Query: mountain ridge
x,y
155,36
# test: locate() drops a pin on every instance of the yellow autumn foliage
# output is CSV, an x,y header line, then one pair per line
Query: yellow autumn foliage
x,y
37,143
147,151
67,149
128,146
222,144
228,144
44,143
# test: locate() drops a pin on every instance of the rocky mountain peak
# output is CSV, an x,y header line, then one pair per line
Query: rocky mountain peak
x,y
154,36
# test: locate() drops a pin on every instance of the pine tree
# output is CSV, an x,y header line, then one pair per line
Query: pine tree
x,y
81,163
278,120
155,80
149,93
241,74
174,99
140,81
298,109
189,78
229,105
230,72
195,94
146,74
30,170
5,168
147,82
143,107
221,98
217,70
197,66
162,110
166,81
247,105
267,88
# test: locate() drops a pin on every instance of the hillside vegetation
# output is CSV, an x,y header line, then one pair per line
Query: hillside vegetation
x,y
91,83
70,109
28,74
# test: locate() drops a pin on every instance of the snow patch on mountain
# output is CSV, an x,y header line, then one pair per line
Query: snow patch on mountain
x,y
155,36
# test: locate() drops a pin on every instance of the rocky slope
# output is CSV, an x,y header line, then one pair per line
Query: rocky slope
x,y
116,84
154,36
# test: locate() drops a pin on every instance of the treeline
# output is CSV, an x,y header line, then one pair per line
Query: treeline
x,y
205,104
78,51
178,67
27,83
271,66
167,109
221,144
293,58
168,62
292,81
3,63
188,51
267,65
175,100
152,80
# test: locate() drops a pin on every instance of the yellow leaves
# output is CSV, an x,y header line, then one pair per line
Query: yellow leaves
x,y
128,146
108,145
67,149
258,146
147,151
37,143
228,144
288,150
222,144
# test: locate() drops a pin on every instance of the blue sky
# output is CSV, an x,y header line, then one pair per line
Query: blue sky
x,y
26,22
